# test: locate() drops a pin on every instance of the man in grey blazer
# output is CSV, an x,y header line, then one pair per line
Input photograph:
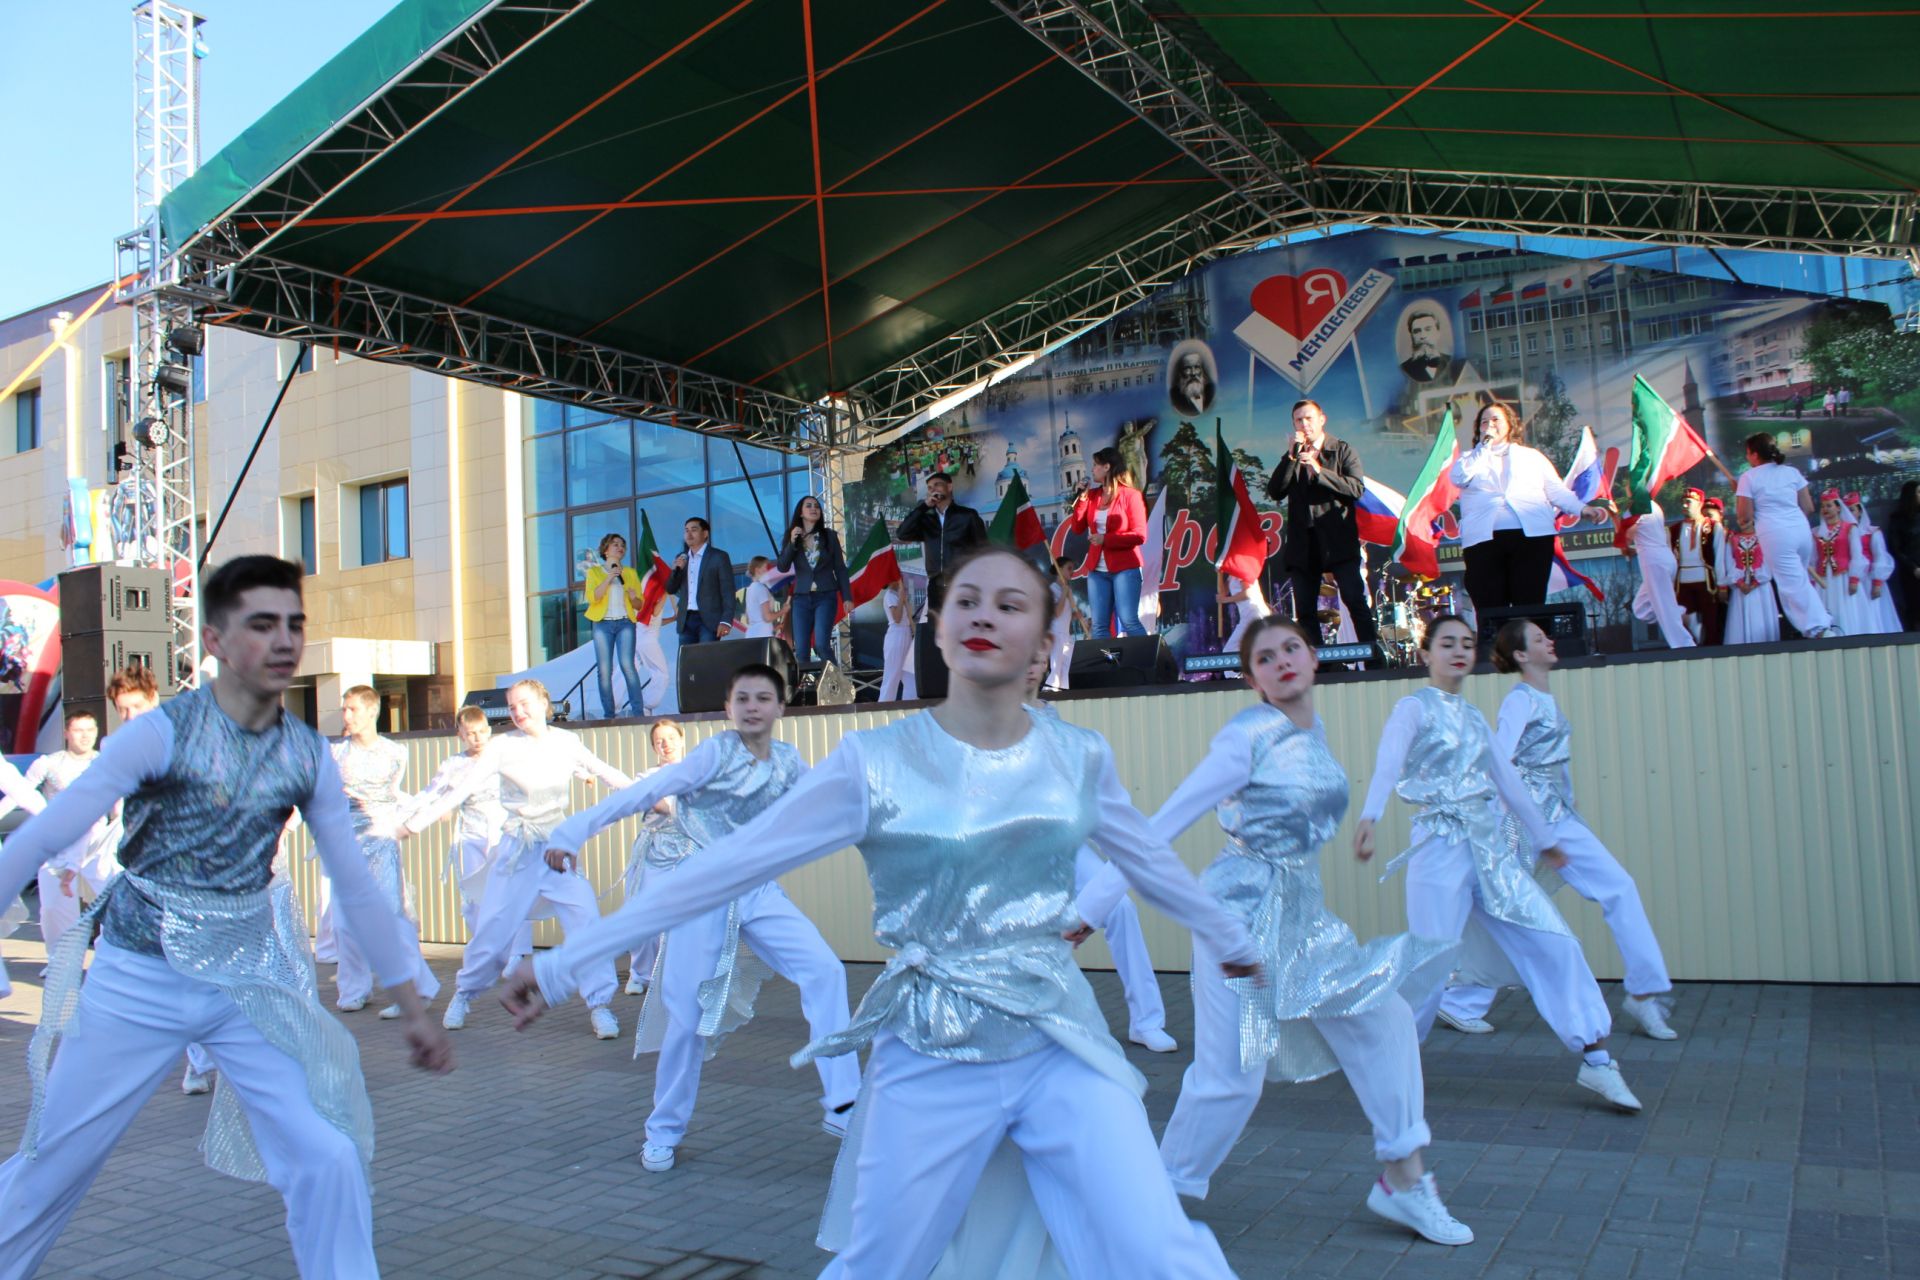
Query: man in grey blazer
x,y
702,572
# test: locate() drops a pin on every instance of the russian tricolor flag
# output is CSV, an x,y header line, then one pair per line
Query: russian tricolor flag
x,y
1378,512
1589,476
1537,289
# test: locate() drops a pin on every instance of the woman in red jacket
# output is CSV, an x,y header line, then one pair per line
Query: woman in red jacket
x,y
1114,517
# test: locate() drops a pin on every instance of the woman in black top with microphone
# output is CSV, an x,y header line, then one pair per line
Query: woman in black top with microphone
x,y
812,553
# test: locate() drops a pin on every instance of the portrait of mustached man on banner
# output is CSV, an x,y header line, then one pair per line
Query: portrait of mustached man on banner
x,y
1193,379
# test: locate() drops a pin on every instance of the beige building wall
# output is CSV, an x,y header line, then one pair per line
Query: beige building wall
x,y
1767,806
448,617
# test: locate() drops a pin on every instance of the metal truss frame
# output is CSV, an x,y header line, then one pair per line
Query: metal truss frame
x,y
1269,191
166,127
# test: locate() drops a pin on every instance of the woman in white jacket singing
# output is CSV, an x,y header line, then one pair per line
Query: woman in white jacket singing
x,y
1510,497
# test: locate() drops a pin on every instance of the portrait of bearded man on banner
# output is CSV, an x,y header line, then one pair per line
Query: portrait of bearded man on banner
x,y
1193,379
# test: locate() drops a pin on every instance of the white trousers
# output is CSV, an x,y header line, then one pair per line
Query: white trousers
x,y
1379,1051
1786,545
931,1125
1145,1010
1597,876
1443,892
353,980
792,947
1656,603
652,661
136,1015
326,947
640,960
475,855
897,683
509,900
58,911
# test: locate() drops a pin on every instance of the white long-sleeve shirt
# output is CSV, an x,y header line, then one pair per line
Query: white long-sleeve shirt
x,y
140,753
536,781
1507,483
829,810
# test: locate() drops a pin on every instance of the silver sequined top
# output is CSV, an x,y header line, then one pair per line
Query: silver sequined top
x,y
1542,749
213,822
371,776
738,790
971,856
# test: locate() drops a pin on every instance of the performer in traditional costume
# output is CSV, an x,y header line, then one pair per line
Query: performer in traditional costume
x,y
1878,612
1329,1002
371,768
1470,869
189,950
1840,567
534,767
1534,734
660,843
983,1028
707,986
1753,611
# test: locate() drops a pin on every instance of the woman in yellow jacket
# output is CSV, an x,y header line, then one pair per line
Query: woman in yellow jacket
x,y
613,602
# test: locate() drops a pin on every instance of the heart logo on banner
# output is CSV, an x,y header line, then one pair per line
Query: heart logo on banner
x,y
1298,305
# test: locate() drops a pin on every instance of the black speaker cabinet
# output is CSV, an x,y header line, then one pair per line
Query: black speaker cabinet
x,y
89,661
929,667
111,597
1121,662
1566,623
706,668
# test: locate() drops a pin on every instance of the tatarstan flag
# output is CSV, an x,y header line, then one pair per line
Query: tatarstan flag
x,y
874,566
1016,524
1416,543
653,587
1243,543
1664,446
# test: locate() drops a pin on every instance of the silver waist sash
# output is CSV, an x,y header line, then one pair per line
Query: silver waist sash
x,y
253,947
1502,866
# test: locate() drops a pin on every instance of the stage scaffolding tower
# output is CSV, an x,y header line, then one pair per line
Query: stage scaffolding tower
x,y
166,151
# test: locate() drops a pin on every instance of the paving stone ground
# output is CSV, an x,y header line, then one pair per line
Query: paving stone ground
x,y
1781,1137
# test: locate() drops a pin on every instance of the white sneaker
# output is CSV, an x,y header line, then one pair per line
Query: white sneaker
x,y
636,985
1651,1015
606,1027
834,1123
389,1013
1609,1084
1419,1209
196,1082
1465,1026
351,1006
456,1015
1153,1039
655,1158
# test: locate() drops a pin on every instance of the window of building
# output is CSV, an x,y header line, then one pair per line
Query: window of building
x,y
1606,335
1513,346
1567,340
300,539
1533,344
1473,322
288,350
26,419
599,463
383,521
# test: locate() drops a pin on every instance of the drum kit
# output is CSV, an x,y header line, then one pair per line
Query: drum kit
x,y
1402,610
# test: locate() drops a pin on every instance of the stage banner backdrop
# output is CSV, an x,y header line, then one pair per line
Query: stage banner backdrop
x,y
1387,330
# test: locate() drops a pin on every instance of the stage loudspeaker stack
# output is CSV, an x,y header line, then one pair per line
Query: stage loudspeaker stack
x,y
1121,662
706,668
491,701
1565,623
112,617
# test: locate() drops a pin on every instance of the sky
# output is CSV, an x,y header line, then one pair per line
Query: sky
x,y
66,95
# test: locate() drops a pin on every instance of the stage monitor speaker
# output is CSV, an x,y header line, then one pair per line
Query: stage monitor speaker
x,y
706,668
1566,623
491,701
1121,662
89,661
111,597
929,666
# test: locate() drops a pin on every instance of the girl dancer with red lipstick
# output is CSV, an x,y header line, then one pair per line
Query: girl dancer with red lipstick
x,y
983,1029
1469,866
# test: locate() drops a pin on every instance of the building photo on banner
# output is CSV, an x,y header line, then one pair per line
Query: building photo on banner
x,y
1390,332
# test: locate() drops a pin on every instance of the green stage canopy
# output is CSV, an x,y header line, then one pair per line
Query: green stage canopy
x,y
723,212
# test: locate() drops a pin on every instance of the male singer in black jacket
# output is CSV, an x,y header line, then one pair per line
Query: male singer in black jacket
x,y
1320,481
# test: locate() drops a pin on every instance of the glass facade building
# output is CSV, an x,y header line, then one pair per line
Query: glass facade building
x,y
588,474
